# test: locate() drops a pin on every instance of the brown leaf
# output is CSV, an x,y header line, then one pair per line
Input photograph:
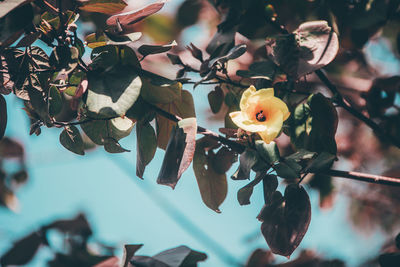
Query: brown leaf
x,y
213,186
179,153
183,107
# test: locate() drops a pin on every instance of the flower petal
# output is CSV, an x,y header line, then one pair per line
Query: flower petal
x,y
245,96
240,119
274,126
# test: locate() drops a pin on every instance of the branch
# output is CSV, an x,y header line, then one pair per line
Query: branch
x,y
61,123
201,130
339,100
364,177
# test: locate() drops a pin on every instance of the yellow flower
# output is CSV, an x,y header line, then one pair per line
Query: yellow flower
x,y
261,112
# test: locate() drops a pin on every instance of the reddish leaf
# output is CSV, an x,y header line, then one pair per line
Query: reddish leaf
x,y
286,219
132,17
179,153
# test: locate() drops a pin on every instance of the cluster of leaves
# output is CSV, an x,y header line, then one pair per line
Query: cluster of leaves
x,y
76,234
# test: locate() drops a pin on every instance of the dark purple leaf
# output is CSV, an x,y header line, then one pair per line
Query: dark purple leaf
x,y
3,116
129,252
286,219
23,250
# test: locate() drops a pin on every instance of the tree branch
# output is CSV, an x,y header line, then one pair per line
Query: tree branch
x,y
238,147
201,130
364,177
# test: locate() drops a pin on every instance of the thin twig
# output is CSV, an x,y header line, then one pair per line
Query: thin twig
x,y
61,123
364,177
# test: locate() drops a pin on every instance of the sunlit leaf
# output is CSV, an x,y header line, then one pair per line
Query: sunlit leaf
x,y
113,92
132,17
104,6
312,46
99,130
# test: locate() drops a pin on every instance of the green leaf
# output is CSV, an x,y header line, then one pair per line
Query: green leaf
x,y
71,139
108,7
99,130
94,40
55,101
146,50
324,124
3,116
109,55
260,70
141,111
322,162
287,171
234,53
184,108
247,160
286,219
213,186
179,152
112,146
175,60
146,146
268,152
160,94
113,92
313,125
216,98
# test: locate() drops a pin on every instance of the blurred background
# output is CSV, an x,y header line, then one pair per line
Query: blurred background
x,y
351,221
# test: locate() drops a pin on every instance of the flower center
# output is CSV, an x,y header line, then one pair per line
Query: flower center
x,y
260,116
